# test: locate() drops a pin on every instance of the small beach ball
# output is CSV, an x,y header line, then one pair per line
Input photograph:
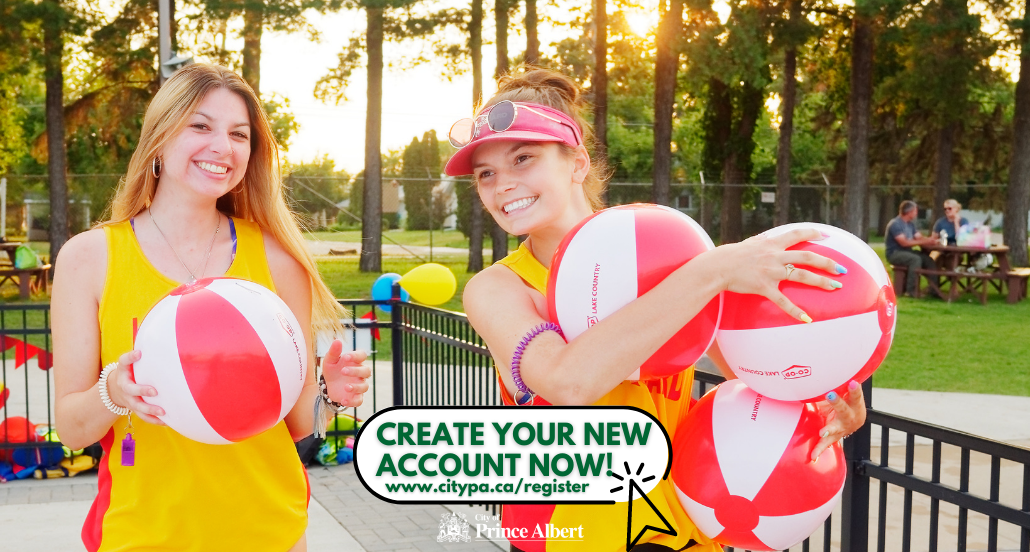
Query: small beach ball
x,y
743,472
784,358
617,255
227,357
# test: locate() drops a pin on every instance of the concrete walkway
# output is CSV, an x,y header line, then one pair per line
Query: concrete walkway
x,y
37,516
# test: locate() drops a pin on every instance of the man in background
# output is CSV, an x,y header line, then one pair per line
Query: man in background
x,y
900,238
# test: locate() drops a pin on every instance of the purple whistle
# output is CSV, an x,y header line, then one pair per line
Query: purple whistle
x,y
128,450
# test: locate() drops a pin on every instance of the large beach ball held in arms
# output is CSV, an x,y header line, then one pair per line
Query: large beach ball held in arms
x,y
784,358
617,255
227,357
743,472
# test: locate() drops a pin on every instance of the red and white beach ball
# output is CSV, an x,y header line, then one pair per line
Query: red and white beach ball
x,y
743,472
618,254
784,358
227,357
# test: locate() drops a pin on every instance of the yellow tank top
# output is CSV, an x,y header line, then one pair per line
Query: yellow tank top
x,y
181,494
604,526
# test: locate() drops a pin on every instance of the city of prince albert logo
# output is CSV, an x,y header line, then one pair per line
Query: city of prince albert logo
x,y
454,527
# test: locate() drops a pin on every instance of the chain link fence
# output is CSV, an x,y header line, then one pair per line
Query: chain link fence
x,y
334,203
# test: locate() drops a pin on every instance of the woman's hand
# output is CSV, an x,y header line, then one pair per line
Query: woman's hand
x,y
758,264
843,415
123,390
345,374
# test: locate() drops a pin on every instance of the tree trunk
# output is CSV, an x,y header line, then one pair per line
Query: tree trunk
x,y
718,125
856,190
945,156
783,153
532,42
476,214
1018,194
498,237
501,22
57,162
737,168
666,65
372,205
599,83
253,24
888,206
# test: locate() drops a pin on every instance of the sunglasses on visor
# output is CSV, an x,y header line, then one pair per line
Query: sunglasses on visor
x,y
500,118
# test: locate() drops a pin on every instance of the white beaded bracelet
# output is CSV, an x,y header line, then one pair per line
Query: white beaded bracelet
x,y
104,396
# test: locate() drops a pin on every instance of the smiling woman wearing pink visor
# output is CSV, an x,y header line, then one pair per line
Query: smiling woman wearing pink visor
x,y
527,150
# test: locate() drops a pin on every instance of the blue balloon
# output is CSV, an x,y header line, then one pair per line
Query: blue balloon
x,y
382,289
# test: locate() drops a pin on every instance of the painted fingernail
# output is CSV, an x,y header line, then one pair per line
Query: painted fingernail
x,y
805,318
825,433
824,234
835,284
852,385
831,396
841,269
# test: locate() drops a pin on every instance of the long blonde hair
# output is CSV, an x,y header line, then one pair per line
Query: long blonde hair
x,y
260,198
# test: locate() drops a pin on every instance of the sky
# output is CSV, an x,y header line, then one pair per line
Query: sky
x,y
415,100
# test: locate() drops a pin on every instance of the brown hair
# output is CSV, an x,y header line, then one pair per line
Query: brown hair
x,y
527,83
260,198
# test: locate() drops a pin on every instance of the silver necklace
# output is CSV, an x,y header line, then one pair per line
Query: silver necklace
x,y
193,277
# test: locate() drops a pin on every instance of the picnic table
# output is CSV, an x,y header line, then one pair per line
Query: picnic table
x,y
956,264
28,280
8,248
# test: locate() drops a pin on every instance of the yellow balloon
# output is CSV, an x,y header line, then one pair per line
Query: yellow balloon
x,y
430,284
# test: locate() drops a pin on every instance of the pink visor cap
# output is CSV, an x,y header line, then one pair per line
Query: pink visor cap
x,y
530,122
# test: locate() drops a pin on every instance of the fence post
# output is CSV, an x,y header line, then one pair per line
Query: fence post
x,y
854,527
397,344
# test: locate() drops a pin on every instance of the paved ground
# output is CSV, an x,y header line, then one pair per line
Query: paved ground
x,y
38,516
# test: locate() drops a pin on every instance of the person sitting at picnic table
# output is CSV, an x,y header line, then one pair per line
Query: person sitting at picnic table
x,y
901,236
949,224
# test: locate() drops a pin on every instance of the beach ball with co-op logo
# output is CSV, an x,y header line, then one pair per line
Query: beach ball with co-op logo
x,y
617,255
787,359
742,469
227,357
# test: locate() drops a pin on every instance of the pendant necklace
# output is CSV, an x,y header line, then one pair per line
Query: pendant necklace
x,y
193,277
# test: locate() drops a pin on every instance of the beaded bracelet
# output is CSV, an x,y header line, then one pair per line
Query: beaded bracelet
x,y
325,408
524,396
324,392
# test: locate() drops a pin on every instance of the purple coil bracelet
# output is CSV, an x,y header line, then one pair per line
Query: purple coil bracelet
x,y
523,395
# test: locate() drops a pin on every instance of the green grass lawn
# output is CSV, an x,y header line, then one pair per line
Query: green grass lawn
x,y
963,346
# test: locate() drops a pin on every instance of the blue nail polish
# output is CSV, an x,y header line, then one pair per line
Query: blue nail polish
x,y
831,396
841,269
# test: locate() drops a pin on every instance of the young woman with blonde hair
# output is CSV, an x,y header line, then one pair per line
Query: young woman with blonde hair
x,y
527,150
201,198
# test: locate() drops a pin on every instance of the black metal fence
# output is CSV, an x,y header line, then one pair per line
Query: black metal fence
x,y
912,486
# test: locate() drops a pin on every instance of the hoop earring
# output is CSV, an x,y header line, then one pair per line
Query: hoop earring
x,y
237,189
155,168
